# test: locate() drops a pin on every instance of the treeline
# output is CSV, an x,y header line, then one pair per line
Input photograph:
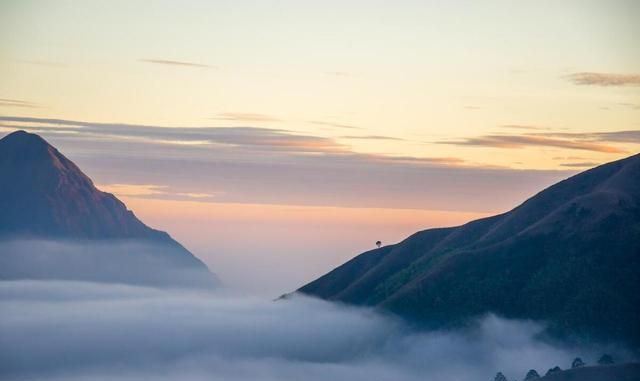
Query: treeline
x,y
532,374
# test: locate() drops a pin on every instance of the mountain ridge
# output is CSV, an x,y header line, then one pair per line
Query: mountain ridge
x,y
569,247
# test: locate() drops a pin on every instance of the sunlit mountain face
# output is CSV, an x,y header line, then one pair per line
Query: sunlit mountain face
x,y
301,190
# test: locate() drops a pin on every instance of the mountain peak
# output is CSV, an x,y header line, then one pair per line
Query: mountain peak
x,y
24,136
45,194
21,147
25,144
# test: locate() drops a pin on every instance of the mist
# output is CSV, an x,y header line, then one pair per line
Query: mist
x,y
134,261
67,330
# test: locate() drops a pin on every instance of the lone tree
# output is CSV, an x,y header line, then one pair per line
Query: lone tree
x,y
499,377
378,243
531,375
605,360
577,363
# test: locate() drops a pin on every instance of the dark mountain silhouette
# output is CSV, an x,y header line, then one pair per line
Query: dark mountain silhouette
x,y
45,197
570,255
622,372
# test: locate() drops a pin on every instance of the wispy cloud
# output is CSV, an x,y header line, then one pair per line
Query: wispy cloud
x,y
521,141
271,166
427,161
153,191
332,124
627,136
248,138
568,158
630,105
174,63
44,63
604,79
586,164
17,103
132,189
523,127
246,117
371,137
590,141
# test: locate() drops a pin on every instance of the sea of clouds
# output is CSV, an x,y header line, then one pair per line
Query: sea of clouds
x,y
142,262
63,330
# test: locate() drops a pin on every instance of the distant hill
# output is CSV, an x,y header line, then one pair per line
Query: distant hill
x,y
622,372
44,197
570,255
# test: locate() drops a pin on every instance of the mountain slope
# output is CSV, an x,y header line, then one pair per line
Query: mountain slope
x,y
44,197
569,255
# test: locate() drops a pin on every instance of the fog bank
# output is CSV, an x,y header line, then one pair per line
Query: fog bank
x,y
54,330
131,261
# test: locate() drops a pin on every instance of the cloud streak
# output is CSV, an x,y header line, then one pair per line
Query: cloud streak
x,y
246,117
17,103
50,64
78,331
628,136
586,164
153,191
247,137
604,79
371,137
273,166
520,141
594,141
336,125
524,127
175,63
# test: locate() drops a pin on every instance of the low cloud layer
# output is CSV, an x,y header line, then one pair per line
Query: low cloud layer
x,y
123,261
86,331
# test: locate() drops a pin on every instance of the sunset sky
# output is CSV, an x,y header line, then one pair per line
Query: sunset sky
x,y
288,136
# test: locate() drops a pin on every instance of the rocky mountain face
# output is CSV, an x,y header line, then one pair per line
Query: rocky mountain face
x,y
569,256
44,197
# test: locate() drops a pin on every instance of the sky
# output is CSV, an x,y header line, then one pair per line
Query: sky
x,y
277,139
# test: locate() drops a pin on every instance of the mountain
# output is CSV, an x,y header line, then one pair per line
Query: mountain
x,y
570,256
54,223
